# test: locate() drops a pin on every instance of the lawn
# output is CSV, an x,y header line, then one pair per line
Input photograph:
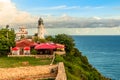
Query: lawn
x,y
8,62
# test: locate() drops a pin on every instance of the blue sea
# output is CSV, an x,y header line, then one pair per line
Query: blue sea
x,y
103,52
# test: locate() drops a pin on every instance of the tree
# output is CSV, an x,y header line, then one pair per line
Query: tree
x,y
35,38
66,40
49,38
7,40
38,40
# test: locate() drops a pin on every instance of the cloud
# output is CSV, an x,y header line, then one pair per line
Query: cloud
x,y
79,31
9,14
4,0
65,7
60,7
97,18
80,22
92,7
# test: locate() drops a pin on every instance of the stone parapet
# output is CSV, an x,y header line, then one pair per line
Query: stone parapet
x,y
61,72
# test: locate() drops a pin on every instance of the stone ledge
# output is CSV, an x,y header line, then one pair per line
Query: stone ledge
x,y
61,72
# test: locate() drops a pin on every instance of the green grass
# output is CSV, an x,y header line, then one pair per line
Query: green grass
x,y
8,62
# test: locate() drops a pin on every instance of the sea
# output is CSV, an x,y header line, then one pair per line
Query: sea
x,y
103,52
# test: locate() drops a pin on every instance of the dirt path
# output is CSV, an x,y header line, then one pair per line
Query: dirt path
x,y
29,72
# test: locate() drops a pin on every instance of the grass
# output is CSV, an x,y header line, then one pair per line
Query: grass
x,y
10,62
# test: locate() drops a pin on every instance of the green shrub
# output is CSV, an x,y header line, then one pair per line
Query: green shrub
x,y
33,51
58,58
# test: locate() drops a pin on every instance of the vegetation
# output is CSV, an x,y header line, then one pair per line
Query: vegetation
x,y
7,40
77,66
33,52
8,62
49,38
38,40
66,40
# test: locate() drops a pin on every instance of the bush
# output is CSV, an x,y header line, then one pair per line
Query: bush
x,y
4,52
33,51
58,58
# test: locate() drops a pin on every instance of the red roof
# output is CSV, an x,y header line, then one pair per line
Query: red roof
x,y
34,44
26,48
45,46
24,43
49,46
15,48
60,46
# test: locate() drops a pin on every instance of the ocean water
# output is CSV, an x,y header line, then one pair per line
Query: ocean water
x,y
103,52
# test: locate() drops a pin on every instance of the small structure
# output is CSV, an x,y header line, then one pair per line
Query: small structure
x,y
24,46
45,48
49,48
22,33
26,51
15,51
41,30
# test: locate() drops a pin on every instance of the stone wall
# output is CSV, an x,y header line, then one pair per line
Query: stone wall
x,y
44,56
36,56
61,72
60,52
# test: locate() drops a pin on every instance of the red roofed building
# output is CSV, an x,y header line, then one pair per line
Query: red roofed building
x,y
24,46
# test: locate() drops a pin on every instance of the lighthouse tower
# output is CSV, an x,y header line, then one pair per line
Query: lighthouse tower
x,y
41,30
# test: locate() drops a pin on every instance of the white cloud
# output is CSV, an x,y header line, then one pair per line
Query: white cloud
x,y
10,14
65,7
96,17
91,7
61,7
57,7
79,31
4,0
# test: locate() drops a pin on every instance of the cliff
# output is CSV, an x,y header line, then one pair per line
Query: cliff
x,y
77,67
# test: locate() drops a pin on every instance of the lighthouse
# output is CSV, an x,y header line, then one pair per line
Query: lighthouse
x,y
41,30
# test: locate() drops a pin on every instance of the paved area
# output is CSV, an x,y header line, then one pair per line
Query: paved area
x,y
27,73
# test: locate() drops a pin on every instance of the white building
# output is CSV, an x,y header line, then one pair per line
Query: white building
x,y
22,33
41,30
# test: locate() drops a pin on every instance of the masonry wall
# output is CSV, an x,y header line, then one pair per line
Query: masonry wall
x,y
61,72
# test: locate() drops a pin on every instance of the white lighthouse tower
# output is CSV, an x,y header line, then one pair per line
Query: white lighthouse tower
x,y
41,30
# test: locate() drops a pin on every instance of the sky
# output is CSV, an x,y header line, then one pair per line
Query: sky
x,y
79,8
24,11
